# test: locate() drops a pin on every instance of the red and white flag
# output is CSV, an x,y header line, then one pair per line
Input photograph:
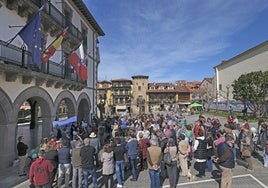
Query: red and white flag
x,y
76,59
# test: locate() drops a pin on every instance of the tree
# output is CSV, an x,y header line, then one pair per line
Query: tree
x,y
252,89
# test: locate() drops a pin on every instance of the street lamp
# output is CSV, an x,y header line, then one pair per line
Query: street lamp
x,y
227,95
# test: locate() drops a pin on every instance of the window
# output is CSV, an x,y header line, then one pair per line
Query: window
x,y
84,36
139,88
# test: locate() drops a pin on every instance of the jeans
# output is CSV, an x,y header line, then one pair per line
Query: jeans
x,y
155,178
132,160
77,177
64,170
209,164
86,173
265,157
120,172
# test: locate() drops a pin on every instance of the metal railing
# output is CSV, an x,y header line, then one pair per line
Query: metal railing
x,y
20,57
58,17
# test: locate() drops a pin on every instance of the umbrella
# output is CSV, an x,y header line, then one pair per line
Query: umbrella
x,y
195,105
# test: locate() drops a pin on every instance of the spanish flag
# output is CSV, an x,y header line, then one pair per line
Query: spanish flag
x,y
49,52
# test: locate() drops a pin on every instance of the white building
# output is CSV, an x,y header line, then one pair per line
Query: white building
x,y
252,60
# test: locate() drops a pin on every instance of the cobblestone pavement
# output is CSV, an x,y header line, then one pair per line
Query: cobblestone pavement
x,y
241,178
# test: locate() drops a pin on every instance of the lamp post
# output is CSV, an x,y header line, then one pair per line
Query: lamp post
x,y
227,95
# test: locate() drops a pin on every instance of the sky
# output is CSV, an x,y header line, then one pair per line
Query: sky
x,y
170,40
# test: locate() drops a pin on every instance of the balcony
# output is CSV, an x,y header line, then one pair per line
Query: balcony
x,y
52,19
16,61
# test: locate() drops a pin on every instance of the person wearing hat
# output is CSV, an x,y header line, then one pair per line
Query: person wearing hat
x,y
40,171
95,142
225,159
22,151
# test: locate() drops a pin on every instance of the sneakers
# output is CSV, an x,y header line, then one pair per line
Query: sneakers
x,y
132,179
118,186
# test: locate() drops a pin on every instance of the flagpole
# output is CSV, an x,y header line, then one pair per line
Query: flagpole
x,y
10,40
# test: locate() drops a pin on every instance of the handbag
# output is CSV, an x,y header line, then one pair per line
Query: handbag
x,y
246,153
167,158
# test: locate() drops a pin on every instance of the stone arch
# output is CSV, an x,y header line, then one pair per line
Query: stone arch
x,y
5,108
32,137
70,102
7,127
84,107
44,100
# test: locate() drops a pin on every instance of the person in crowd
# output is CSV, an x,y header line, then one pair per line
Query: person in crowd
x,y
210,151
143,143
132,152
172,167
264,143
77,165
230,120
163,140
124,125
200,154
95,142
64,167
246,144
198,127
183,151
101,134
40,171
119,152
154,158
52,156
225,159
87,154
220,137
22,151
107,159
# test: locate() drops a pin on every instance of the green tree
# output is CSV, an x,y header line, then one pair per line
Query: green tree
x,y
252,89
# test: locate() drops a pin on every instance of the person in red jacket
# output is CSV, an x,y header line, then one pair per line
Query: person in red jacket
x,y
39,171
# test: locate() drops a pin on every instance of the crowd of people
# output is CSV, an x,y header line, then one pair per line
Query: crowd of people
x,y
156,143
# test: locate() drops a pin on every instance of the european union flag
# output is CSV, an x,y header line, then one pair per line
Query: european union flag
x,y
31,35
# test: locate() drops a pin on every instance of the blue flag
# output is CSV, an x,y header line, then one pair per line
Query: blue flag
x,y
31,35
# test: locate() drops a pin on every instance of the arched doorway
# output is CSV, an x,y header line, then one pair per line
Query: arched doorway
x,y
84,107
7,129
41,111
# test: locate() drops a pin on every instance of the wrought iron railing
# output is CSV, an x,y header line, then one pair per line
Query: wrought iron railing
x,y
14,55
58,17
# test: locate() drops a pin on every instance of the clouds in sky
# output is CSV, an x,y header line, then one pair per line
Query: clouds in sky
x,y
169,40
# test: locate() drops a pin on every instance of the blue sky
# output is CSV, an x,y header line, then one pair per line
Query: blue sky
x,y
171,40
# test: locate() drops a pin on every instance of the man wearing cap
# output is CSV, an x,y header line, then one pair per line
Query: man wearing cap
x,y
226,161
40,170
22,151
